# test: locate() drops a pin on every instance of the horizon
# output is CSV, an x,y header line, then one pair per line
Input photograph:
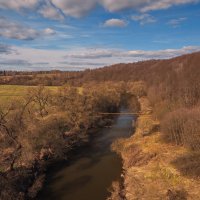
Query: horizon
x,y
79,69
43,35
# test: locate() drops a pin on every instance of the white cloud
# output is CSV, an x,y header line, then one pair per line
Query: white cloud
x,y
142,5
18,4
143,19
162,54
14,62
48,11
81,63
14,30
91,53
5,49
176,22
81,58
95,54
117,5
53,9
75,8
163,4
115,23
48,31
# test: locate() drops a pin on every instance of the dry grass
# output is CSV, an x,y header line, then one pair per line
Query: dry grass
x,y
155,170
10,93
181,127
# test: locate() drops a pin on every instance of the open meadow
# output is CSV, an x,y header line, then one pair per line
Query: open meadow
x,y
9,93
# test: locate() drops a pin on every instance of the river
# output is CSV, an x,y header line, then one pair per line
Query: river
x,y
92,169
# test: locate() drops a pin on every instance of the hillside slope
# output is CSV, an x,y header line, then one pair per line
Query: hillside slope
x,y
145,70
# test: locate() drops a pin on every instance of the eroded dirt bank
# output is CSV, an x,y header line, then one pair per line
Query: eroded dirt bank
x,y
148,164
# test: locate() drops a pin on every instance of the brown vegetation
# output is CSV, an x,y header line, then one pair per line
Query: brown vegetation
x,y
46,125
182,127
154,169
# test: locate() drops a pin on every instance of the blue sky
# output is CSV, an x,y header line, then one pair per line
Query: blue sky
x,y
79,34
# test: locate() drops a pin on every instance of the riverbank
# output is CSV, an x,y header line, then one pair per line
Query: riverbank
x,y
25,182
148,164
90,171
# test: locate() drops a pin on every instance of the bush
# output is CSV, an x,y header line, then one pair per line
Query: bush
x,y
182,127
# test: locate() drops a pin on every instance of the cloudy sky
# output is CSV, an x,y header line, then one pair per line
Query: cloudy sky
x,y
79,34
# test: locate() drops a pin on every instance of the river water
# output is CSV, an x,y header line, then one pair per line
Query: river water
x,y
92,170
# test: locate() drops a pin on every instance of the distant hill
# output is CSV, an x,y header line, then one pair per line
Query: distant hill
x,y
150,71
146,70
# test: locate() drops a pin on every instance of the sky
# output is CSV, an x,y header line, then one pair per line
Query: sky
x,y
80,34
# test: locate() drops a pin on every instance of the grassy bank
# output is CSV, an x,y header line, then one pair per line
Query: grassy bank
x,y
151,169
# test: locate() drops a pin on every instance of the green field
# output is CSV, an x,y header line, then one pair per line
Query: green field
x,y
10,93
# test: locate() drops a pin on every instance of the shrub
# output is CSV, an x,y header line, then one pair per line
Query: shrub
x,y
182,127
